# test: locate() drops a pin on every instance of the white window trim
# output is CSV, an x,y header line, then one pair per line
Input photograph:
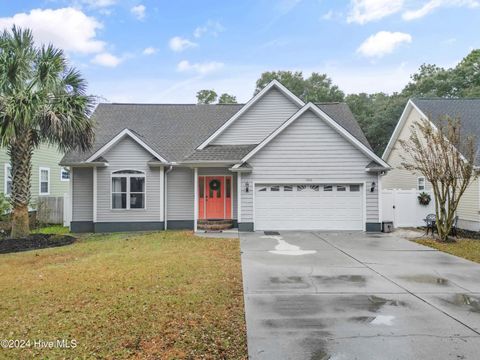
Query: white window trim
x,y
424,183
5,177
40,169
128,176
61,172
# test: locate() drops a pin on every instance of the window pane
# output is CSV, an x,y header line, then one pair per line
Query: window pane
x,y
137,201
275,188
9,187
119,184
119,201
327,188
137,184
315,187
341,188
354,187
301,187
44,187
201,187
9,179
227,187
44,175
65,174
288,188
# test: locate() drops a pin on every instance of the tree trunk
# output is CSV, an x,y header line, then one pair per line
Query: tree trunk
x,y
21,161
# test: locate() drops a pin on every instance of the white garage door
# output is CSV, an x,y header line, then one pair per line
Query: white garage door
x,y
309,207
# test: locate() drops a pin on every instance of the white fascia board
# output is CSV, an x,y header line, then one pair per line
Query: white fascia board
x,y
117,138
330,121
248,105
401,123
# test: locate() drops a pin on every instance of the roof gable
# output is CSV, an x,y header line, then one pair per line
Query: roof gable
x,y
329,121
271,86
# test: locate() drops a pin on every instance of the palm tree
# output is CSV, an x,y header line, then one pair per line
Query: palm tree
x,y
42,100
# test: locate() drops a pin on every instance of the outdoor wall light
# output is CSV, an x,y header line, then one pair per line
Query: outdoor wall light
x,y
372,189
247,185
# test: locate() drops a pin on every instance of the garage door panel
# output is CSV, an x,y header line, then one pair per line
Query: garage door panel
x,y
308,207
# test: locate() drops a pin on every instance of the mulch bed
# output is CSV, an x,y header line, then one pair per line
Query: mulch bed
x,y
34,242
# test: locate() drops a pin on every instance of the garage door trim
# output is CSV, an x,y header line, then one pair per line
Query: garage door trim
x,y
312,182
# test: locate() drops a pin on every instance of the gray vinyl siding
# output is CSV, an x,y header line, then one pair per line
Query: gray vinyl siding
x,y
180,196
224,171
82,206
309,151
273,109
128,154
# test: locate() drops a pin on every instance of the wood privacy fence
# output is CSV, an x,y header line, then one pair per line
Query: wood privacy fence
x,y
50,209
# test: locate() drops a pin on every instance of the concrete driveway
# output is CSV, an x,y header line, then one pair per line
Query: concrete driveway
x,y
326,295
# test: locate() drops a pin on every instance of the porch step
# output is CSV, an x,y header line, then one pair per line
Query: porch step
x,y
214,225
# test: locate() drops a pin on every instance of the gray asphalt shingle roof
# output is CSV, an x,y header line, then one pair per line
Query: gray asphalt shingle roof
x,y
466,110
221,152
175,131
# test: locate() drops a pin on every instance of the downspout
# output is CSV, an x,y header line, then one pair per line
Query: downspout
x,y
165,195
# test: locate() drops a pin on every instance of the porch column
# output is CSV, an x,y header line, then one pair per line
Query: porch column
x,y
195,200
239,197
162,194
94,194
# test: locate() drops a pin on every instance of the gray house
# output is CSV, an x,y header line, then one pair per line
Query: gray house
x,y
274,163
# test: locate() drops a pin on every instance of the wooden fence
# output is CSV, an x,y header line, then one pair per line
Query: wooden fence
x,y
50,209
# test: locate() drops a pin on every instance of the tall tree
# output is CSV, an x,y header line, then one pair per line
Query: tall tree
x,y
42,99
206,96
316,88
319,88
446,157
227,99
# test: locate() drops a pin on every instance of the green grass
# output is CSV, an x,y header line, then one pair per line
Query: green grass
x,y
165,295
465,248
52,229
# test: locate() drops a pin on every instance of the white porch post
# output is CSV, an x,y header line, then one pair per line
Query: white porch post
x,y
195,200
94,194
162,194
239,197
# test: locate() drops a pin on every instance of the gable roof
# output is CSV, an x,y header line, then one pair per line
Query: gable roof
x,y
435,109
219,153
172,131
335,125
274,84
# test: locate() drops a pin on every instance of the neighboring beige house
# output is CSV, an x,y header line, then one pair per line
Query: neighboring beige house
x,y
468,111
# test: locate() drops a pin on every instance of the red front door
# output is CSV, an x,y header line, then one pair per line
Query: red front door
x,y
215,193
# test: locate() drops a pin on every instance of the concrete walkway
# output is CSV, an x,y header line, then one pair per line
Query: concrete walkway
x,y
357,296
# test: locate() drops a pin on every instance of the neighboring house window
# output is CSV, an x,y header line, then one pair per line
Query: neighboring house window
x,y
128,189
44,178
421,183
7,187
64,174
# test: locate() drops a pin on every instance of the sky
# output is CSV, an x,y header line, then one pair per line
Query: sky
x,y
154,51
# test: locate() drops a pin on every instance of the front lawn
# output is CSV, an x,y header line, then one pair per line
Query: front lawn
x,y
465,248
165,295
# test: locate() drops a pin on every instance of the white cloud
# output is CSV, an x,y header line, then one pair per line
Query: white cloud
x,y
213,28
139,11
364,11
149,50
383,43
99,3
106,59
178,44
66,28
200,68
431,5
285,6
328,15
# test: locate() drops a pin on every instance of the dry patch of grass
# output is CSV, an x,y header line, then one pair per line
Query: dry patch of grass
x,y
465,248
164,295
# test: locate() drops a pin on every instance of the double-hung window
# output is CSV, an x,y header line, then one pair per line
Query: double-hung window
x,y
421,183
128,189
44,183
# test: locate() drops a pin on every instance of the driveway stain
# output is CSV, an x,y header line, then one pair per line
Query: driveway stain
x,y
286,280
296,323
464,300
426,279
371,303
357,280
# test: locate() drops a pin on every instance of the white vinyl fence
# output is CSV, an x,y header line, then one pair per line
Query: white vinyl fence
x,y
67,209
402,207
